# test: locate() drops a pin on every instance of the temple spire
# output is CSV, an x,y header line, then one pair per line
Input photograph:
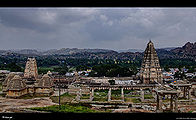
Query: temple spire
x,y
150,70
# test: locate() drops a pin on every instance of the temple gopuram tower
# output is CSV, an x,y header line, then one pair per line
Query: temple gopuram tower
x,y
31,68
150,71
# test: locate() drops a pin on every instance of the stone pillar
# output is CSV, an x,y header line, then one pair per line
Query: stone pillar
x,y
92,94
194,91
184,95
157,108
122,95
171,103
109,94
78,96
160,103
189,93
142,95
176,103
154,95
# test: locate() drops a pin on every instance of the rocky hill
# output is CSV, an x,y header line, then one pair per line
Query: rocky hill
x,y
70,51
189,49
186,51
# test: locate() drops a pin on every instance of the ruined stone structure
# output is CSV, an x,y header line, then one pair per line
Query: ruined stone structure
x,y
184,88
6,81
31,68
44,86
173,94
150,70
16,87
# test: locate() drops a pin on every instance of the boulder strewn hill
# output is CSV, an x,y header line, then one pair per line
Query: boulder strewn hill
x,y
186,51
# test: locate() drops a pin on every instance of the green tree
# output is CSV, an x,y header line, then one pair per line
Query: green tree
x,y
62,70
112,82
179,75
13,67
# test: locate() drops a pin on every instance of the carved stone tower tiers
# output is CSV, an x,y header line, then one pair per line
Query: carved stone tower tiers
x,y
150,71
31,68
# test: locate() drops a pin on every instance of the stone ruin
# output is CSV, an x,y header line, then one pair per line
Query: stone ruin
x,y
150,69
31,68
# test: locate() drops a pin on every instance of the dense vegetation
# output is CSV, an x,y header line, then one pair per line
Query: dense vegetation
x,y
99,67
178,63
68,108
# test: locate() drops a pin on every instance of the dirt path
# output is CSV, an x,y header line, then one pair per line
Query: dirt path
x,y
17,105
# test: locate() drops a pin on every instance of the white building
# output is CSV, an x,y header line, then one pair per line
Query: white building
x,y
4,71
69,74
125,82
189,74
101,80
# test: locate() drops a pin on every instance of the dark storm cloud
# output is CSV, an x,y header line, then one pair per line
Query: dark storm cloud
x,y
23,18
116,28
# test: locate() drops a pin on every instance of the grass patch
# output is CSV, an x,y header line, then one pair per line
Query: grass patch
x,y
128,99
132,95
190,111
68,108
128,91
85,96
115,91
116,97
100,99
148,96
182,98
166,100
100,95
27,96
135,100
97,94
66,97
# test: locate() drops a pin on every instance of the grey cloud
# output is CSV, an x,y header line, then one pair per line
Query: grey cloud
x,y
116,28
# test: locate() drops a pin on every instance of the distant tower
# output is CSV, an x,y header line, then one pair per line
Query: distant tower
x,y
150,71
31,68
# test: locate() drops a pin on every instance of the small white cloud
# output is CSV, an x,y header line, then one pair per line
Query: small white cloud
x,y
103,18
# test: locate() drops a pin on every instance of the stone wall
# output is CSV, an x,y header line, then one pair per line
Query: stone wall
x,y
46,91
16,94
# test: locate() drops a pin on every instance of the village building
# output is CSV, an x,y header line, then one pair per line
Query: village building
x,y
125,82
4,71
168,78
102,80
16,87
190,75
150,71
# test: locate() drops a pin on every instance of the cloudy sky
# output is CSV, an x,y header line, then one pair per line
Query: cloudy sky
x,y
108,28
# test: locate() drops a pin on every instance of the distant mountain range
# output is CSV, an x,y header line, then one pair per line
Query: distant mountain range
x,y
189,49
63,51
131,50
186,51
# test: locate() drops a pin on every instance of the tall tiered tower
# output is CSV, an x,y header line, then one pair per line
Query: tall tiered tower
x,y
150,71
31,68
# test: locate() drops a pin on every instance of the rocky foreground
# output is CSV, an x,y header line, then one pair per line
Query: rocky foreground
x,y
19,105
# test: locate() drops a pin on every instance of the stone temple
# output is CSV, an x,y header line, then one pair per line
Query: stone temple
x,y
15,86
150,71
31,68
